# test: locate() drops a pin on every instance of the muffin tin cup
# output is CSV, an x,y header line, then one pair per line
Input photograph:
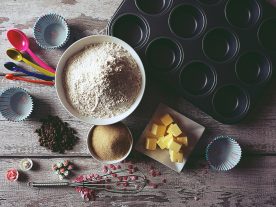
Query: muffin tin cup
x,y
231,103
220,45
132,29
243,14
198,78
187,21
164,55
51,31
153,7
223,153
253,68
16,104
267,34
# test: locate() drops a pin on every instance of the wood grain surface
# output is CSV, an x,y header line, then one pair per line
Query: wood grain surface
x,y
252,183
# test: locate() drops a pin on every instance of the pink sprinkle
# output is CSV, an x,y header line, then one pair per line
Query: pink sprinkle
x,y
105,171
111,166
120,178
153,174
152,167
158,173
119,167
133,177
153,185
125,184
130,167
151,171
118,183
108,187
164,180
114,175
125,178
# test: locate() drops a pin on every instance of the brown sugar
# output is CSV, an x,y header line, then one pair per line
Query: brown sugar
x,y
111,142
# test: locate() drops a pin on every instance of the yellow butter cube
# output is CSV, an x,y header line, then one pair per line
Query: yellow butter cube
x,y
167,138
174,130
151,143
161,143
158,130
182,140
172,156
176,156
174,146
167,120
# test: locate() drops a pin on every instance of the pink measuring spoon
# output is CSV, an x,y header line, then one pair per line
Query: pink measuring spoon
x,y
21,42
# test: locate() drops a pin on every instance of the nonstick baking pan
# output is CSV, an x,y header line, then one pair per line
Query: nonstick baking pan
x,y
218,54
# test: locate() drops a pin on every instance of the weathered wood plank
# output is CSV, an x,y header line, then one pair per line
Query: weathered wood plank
x,y
255,134
250,184
84,18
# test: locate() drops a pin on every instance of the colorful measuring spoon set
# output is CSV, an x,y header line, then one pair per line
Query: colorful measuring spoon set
x,y
21,43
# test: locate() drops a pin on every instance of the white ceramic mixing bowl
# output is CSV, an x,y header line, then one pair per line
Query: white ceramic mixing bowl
x,y
78,46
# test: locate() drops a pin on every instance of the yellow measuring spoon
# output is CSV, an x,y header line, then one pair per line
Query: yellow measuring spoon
x,y
17,56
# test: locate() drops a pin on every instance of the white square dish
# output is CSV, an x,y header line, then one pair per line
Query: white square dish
x,y
192,129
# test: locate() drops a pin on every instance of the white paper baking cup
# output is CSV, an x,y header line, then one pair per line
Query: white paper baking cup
x,y
223,153
51,31
16,104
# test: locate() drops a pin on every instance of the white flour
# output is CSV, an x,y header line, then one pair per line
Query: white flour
x,y
102,81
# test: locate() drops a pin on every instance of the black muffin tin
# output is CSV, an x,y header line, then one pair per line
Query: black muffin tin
x,y
218,54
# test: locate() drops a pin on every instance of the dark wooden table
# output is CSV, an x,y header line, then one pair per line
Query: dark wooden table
x,y
251,183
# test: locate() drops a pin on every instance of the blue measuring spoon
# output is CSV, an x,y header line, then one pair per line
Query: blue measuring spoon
x,y
13,67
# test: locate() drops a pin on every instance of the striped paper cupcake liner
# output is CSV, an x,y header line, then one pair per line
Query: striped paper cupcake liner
x,y
16,104
223,153
51,31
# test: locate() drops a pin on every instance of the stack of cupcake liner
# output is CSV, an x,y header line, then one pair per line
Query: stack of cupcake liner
x,y
16,104
223,153
51,31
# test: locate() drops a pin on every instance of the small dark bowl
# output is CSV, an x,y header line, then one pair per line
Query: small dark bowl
x,y
164,54
231,103
132,29
243,14
267,34
253,68
220,45
153,7
198,78
187,21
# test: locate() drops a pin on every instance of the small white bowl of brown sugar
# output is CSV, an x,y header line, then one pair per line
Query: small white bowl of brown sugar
x,y
110,144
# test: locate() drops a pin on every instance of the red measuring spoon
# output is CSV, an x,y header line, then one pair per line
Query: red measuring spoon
x,y
12,77
21,42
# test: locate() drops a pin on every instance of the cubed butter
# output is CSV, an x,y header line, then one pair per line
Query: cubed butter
x,y
151,143
167,138
161,143
166,120
182,140
174,146
174,130
176,156
158,130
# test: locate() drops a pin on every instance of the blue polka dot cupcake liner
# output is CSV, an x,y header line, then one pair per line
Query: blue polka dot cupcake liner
x,y
223,153
51,31
16,104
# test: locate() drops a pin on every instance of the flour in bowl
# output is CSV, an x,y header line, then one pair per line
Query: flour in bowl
x,y
103,80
